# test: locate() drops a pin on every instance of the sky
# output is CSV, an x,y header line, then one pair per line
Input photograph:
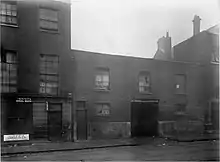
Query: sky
x,y
133,27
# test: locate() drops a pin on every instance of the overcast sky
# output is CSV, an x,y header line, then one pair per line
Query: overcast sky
x,y
132,27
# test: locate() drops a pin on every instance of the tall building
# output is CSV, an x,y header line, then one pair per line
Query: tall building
x,y
35,67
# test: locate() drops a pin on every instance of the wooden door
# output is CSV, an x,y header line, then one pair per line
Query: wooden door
x,y
144,118
81,120
54,121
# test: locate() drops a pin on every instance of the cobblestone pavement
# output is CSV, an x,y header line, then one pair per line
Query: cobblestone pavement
x,y
206,150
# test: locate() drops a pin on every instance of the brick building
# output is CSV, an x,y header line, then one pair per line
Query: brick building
x,y
51,92
35,63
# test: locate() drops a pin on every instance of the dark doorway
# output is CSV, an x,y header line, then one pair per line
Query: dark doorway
x,y
81,120
54,121
144,118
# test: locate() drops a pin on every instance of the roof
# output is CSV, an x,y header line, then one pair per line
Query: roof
x,y
214,29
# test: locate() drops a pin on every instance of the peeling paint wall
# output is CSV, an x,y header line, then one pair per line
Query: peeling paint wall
x,y
109,130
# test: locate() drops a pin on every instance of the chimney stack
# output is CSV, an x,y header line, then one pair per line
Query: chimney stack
x,y
196,25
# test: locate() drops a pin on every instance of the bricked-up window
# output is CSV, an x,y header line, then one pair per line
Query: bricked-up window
x,y
180,84
102,109
49,74
8,71
48,19
8,12
102,79
144,82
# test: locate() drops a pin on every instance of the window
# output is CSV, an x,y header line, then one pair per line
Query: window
x,y
144,82
180,84
8,12
8,71
49,74
48,19
102,79
102,109
215,56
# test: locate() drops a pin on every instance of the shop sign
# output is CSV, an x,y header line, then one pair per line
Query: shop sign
x,y
23,100
16,137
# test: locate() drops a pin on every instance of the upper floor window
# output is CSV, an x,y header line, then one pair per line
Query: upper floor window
x,y
8,71
8,12
48,19
215,56
180,84
102,79
144,82
49,74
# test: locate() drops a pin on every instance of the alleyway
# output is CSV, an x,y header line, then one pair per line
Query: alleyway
x,y
207,150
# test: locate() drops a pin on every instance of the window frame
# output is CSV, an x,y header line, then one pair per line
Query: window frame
x,y
145,73
11,16
175,84
41,19
45,80
101,71
102,103
9,64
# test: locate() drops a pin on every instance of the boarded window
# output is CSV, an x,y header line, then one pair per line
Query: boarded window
x,y
48,19
180,84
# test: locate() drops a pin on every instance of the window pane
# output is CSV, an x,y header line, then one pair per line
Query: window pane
x,y
141,84
3,12
105,78
48,14
48,25
3,19
98,78
11,57
13,81
51,71
14,20
13,74
14,13
14,7
42,84
105,84
8,6
5,88
13,67
51,85
8,12
50,90
13,89
42,90
3,5
52,78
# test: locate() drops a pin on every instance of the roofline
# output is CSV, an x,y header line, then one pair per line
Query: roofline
x,y
134,57
204,31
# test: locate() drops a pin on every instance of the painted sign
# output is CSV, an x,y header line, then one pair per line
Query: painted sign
x,y
16,137
23,100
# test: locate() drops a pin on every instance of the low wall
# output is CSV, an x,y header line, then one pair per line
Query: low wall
x,y
173,128
110,130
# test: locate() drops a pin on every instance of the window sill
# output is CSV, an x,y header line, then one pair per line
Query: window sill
x,y
146,93
9,25
101,90
49,31
181,94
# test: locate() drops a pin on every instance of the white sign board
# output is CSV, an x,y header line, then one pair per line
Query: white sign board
x,y
16,137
